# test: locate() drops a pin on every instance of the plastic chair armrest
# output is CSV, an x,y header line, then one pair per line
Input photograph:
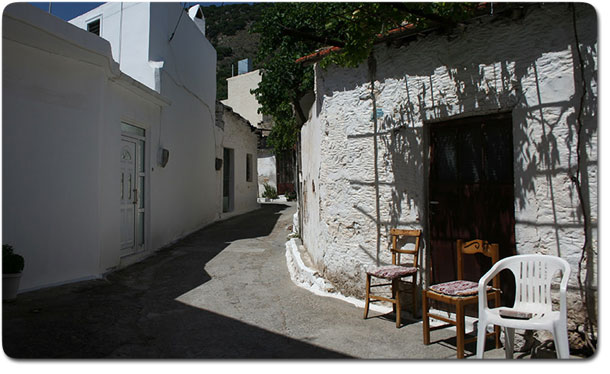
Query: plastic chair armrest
x,y
563,287
485,279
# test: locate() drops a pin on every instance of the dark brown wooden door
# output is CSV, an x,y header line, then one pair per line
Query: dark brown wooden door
x,y
471,191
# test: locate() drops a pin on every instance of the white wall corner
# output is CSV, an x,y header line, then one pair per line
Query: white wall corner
x,y
196,14
157,66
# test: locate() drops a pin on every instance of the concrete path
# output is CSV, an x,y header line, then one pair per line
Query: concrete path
x,y
222,292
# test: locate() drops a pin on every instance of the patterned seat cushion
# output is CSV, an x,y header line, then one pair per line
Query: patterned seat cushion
x,y
391,271
457,288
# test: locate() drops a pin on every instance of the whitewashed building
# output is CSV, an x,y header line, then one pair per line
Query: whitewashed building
x,y
466,134
109,143
237,160
242,101
273,170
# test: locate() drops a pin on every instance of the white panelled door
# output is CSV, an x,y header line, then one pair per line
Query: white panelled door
x,y
133,178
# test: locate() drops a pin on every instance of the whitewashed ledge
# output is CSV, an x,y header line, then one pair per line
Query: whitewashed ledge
x,y
303,275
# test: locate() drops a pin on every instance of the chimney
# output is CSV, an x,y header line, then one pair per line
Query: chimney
x,y
196,14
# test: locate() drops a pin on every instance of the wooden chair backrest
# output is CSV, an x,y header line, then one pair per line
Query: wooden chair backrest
x,y
477,246
396,233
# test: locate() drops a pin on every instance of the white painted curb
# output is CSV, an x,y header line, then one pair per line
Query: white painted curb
x,y
311,280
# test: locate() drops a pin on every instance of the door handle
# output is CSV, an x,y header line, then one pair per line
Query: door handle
x,y
135,196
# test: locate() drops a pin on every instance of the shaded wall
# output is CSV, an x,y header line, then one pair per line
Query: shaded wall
x,y
161,47
239,136
63,103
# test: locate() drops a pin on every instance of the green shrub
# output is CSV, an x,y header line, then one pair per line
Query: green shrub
x,y
12,263
270,192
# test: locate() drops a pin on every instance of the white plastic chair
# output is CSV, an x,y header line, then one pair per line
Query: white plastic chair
x,y
533,276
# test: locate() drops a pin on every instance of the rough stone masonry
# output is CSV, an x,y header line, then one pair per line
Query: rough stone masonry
x,y
523,63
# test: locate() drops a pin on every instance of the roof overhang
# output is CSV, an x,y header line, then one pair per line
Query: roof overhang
x,y
408,30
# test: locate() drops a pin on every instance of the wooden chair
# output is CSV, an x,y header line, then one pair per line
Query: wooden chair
x,y
395,273
461,293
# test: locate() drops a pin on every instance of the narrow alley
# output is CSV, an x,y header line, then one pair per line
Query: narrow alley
x,y
222,292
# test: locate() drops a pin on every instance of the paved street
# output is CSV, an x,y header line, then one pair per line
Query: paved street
x,y
222,292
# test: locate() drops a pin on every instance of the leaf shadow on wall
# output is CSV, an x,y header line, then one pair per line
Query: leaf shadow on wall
x,y
498,80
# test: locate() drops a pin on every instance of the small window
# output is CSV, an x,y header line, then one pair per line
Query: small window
x,y
133,130
248,167
94,26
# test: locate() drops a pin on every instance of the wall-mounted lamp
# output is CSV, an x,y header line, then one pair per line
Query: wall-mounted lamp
x,y
218,163
163,157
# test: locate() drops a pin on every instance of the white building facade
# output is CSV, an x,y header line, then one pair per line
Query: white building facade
x,y
159,45
109,146
238,162
483,120
243,102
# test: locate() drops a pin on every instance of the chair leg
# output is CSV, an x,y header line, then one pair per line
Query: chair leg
x,y
560,336
481,335
509,339
393,296
497,328
366,301
425,321
414,295
396,295
460,329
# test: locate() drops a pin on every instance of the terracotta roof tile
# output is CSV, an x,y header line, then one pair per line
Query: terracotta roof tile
x,y
319,54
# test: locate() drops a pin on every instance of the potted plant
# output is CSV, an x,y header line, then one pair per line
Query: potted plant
x,y
12,266
270,193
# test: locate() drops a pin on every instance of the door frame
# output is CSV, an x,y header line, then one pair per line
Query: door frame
x,y
427,147
143,193
229,186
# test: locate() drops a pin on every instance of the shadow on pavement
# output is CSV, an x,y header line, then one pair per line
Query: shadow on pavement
x,y
132,313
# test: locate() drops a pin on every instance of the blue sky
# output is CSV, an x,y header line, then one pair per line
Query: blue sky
x,y
69,10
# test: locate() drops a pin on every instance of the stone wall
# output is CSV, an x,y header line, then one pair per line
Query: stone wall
x,y
523,63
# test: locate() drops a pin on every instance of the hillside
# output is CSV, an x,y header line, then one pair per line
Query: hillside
x,y
228,29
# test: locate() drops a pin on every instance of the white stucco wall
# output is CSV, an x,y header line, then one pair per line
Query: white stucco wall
x,y
241,100
267,171
313,227
188,79
184,193
245,104
50,164
126,26
63,102
525,66
71,78
238,135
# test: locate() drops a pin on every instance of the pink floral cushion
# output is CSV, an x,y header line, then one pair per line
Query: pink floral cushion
x,y
457,288
391,271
